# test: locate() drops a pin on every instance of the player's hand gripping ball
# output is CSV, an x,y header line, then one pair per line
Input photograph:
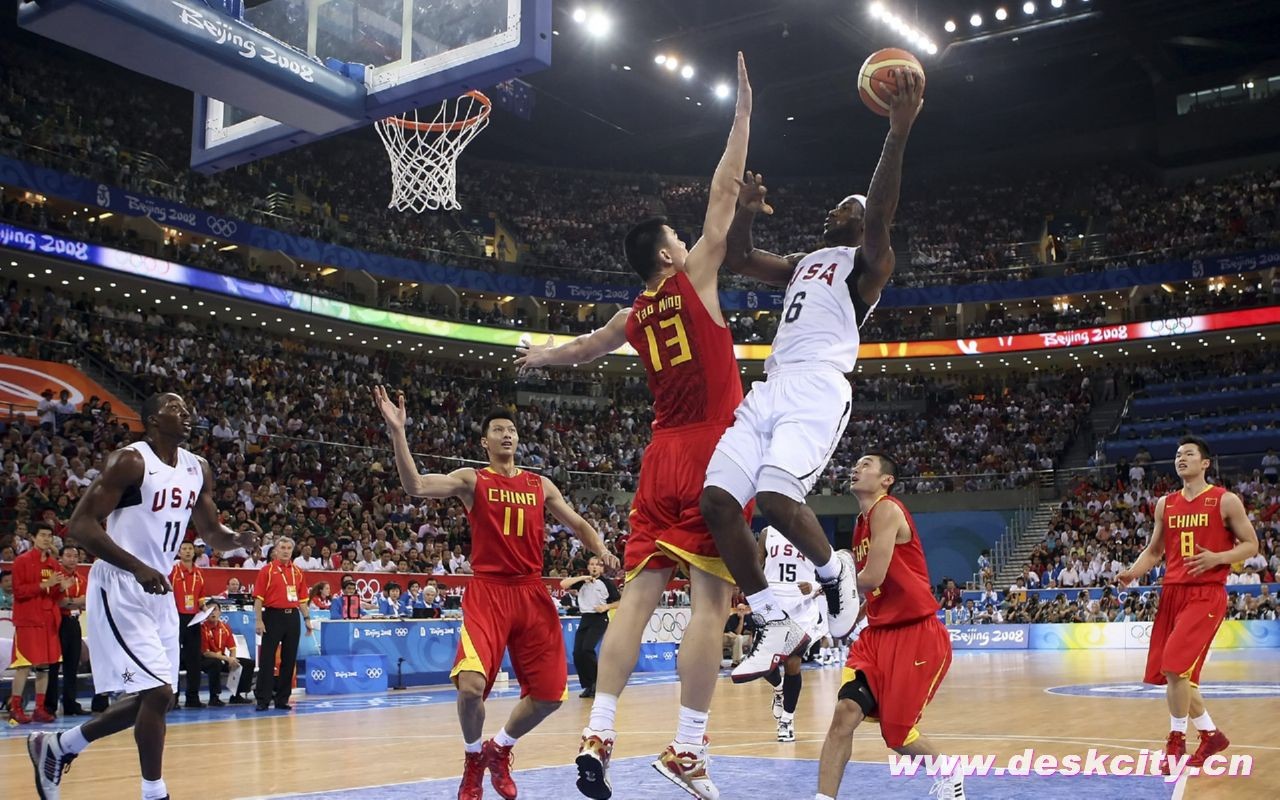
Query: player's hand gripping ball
x,y
875,79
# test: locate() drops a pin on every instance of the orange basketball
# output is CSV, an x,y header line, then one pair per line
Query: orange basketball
x,y
875,79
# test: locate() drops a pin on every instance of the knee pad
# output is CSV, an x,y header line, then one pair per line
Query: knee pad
x,y
859,692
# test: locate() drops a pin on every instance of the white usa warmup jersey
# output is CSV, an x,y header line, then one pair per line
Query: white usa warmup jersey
x,y
784,563
151,521
819,323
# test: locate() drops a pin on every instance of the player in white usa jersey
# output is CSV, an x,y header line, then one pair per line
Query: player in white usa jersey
x,y
787,427
147,492
795,584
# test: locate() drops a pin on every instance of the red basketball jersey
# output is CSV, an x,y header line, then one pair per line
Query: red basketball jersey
x,y
693,373
905,596
1190,525
507,525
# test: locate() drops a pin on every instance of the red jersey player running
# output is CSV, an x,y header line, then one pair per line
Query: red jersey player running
x,y
506,605
687,350
895,667
1209,531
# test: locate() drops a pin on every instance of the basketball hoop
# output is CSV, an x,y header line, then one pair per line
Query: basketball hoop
x,y
424,155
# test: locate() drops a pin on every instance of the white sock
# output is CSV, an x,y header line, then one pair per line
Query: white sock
x,y
1178,724
777,689
1203,722
788,717
472,747
766,605
829,571
821,796
154,790
603,712
504,739
73,742
692,727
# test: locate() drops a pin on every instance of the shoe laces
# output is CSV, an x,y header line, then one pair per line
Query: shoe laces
x,y
944,788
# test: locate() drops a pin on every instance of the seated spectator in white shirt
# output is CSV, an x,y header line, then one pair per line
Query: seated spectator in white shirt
x,y
307,560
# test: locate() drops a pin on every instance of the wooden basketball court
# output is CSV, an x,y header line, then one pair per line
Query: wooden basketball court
x,y
393,745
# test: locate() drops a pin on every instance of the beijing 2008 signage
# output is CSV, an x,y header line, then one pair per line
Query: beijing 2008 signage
x,y
142,266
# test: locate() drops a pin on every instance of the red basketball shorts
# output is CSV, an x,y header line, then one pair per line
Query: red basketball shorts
x,y
904,667
36,645
666,521
519,617
1186,622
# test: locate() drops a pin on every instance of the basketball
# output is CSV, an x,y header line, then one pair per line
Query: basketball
x,y
875,78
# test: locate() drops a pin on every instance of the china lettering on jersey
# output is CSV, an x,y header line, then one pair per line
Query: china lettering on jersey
x,y
819,319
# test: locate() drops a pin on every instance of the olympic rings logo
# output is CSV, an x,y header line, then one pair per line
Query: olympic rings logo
x,y
373,672
1171,327
221,227
1140,632
367,589
318,675
402,631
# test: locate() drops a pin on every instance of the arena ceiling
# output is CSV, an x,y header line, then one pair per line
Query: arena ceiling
x,y
1099,65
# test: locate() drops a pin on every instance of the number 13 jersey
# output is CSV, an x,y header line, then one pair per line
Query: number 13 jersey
x,y
819,319
693,373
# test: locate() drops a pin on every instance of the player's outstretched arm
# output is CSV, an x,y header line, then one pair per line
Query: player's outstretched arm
x,y
460,483
580,350
561,510
1237,521
209,522
122,472
741,255
704,260
876,253
886,519
1151,555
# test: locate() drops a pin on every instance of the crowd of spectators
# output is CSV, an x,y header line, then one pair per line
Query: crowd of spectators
x,y
1097,531
570,223
297,449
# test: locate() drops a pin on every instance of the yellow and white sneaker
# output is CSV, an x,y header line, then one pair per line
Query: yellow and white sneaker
x,y
686,766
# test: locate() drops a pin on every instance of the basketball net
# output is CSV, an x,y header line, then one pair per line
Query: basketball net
x,y
424,155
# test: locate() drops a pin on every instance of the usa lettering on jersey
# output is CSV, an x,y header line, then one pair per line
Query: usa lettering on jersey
x,y
173,498
819,321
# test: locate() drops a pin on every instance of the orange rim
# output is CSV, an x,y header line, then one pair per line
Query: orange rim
x,y
446,127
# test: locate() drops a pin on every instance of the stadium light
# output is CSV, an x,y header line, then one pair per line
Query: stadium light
x,y
950,26
722,91
598,24
1002,14
900,26
671,63
660,59
686,72
579,15
1057,3
1028,7
976,20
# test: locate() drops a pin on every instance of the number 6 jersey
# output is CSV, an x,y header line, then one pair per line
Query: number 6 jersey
x,y
151,520
693,373
820,314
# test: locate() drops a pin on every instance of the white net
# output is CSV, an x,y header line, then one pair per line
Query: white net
x,y
424,154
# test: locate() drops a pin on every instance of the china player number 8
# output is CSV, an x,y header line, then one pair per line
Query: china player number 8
x,y
1188,544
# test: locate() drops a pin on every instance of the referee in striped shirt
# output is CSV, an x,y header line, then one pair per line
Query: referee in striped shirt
x,y
597,596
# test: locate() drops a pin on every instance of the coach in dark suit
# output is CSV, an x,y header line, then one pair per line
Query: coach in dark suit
x,y
597,596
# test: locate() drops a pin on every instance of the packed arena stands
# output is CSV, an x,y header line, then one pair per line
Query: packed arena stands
x,y
571,222
290,450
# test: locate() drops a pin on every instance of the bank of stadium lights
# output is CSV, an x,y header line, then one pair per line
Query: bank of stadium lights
x,y
917,38
596,22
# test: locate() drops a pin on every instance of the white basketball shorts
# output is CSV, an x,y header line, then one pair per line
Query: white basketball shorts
x,y
783,434
133,636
